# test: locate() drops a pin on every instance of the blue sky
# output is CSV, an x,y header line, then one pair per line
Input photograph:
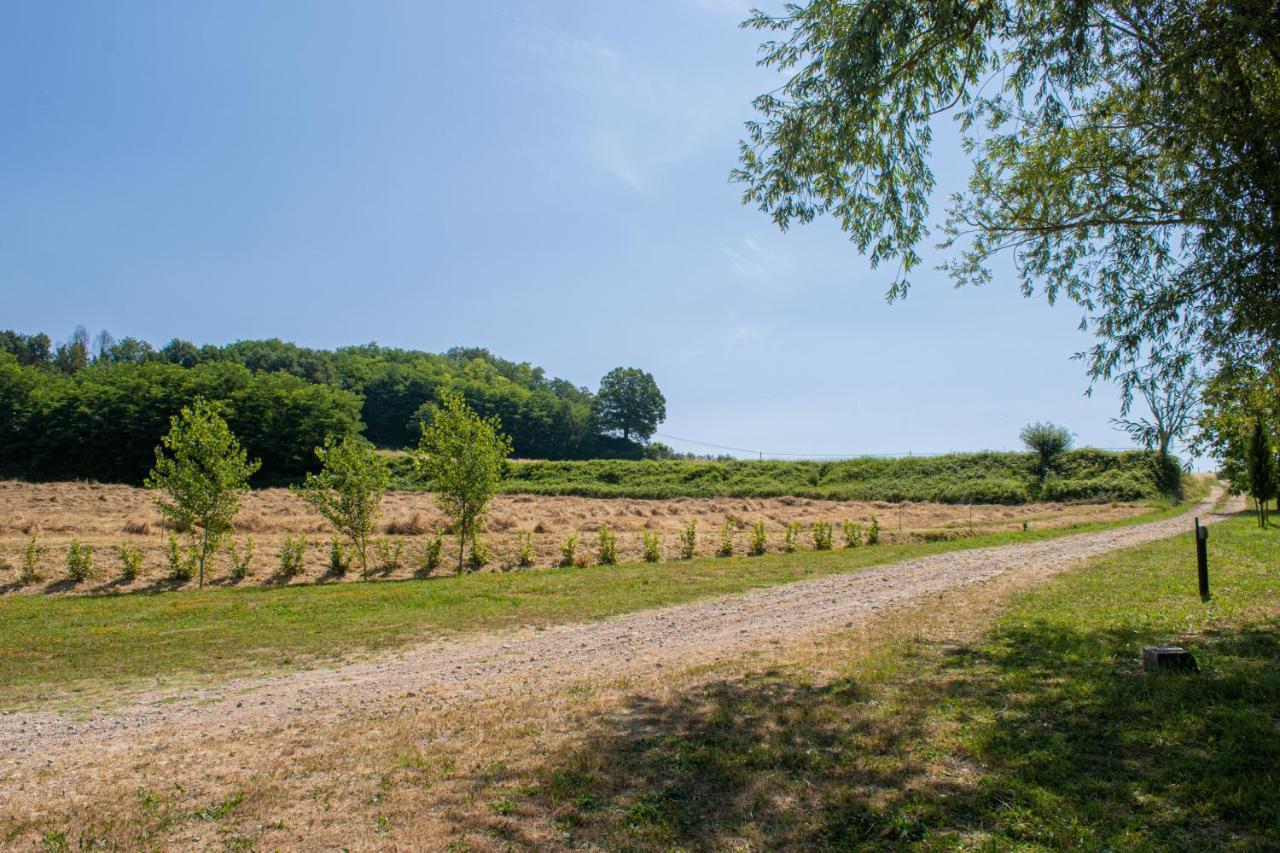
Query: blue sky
x,y
546,179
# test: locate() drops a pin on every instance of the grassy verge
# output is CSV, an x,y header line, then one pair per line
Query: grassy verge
x,y
1038,731
53,648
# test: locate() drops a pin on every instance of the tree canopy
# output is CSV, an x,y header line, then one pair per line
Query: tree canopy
x,y
1125,155
629,402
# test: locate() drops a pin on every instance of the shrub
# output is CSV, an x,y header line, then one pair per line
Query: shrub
x,y
726,540
873,532
568,549
31,556
339,558
130,562
652,547
240,561
292,555
821,535
759,539
852,534
431,556
79,561
478,557
789,545
689,540
390,554
608,555
1047,441
524,549
182,563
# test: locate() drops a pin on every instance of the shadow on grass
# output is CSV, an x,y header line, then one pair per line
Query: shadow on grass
x,y
1040,736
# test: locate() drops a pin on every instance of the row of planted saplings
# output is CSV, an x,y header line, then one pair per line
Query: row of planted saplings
x,y
389,553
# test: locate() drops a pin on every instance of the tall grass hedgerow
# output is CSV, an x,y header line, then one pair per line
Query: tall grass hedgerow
x,y
608,555
79,561
652,547
726,540
292,555
130,562
759,540
689,540
821,535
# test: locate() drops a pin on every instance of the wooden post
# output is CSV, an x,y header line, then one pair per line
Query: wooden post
x,y
1202,559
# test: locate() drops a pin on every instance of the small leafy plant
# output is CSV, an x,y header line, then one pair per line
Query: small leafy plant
x,y
390,554
431,556
292,554
852,533
821,535
726,540
182,563
568,550
524,549
478,556
759,540
789,544
339,558
652,547
873,532
31,556
608,554
130,562
689,540
79,561
240,560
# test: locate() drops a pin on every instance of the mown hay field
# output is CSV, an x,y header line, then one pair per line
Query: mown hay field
x,y
105,516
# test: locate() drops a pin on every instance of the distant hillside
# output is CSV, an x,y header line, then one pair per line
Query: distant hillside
x,y
95,408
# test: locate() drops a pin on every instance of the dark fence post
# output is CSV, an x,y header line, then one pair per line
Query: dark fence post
x,y
1202,558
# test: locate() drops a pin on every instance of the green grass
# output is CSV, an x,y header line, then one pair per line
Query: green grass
x,y
54,646
1045,733
954,478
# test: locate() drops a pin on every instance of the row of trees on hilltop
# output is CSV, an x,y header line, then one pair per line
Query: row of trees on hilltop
x,y
91,406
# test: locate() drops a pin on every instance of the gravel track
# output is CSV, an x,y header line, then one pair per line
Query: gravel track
x,y
542,660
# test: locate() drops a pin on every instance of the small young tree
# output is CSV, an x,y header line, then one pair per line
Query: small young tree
x,y
1172,394
348,490
203,477
1047,441
1261,465
460,455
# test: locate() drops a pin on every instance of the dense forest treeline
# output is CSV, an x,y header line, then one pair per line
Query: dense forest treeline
x,y
95,407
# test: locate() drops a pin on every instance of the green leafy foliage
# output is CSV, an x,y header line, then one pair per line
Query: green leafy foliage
x,y
460,455
180,560
201,479
478,555
431,554
789,545
689,540
390,554
525,556
759,540
339,558
241,559
1048,442
607,552
293,555
629,402
852,533
130,562
79,561
821,531
652,546
348,490
568,551
726,540
873,531
32,554
1261,467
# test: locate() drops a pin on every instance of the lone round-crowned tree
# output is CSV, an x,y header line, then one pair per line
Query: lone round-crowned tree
x,y
629,402
460,455
1047,441
203,477
348,490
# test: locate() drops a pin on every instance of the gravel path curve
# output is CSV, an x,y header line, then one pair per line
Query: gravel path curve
x,y
537,660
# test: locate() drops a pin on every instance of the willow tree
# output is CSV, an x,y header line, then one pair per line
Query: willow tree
x,y
1124,154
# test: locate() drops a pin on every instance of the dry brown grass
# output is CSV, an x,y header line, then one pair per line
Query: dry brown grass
x,y
103,516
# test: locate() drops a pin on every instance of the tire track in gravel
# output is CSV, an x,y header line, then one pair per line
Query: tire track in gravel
x,y
527,660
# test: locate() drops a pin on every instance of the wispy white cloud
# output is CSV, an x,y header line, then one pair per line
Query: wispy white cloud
x,y
748,259
637,124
